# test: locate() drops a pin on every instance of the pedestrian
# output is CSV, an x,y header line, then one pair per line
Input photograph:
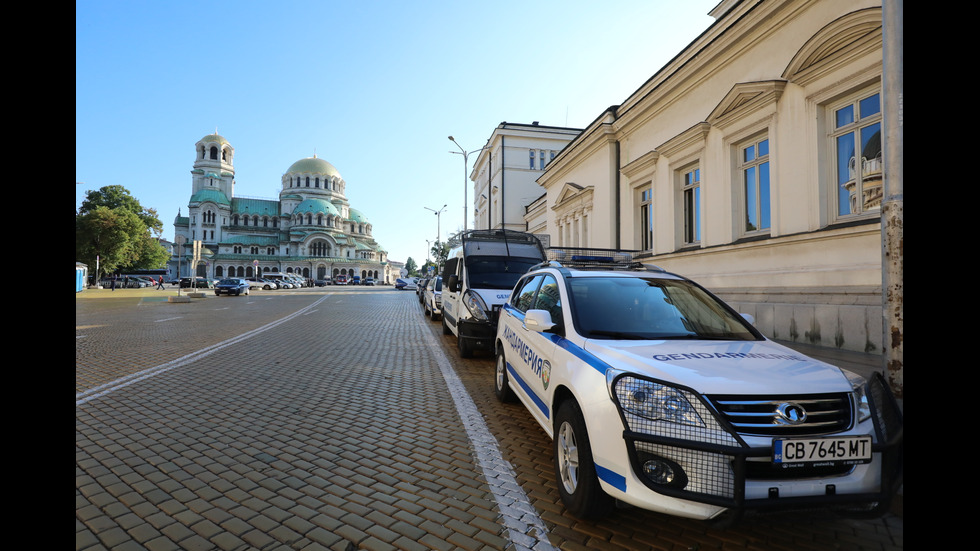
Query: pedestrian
x,y
160,286
112,286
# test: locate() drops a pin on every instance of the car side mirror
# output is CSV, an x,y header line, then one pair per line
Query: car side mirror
x,y
454,283
538,320
749,318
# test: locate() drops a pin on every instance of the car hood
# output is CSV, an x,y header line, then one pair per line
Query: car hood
x,y
493,297
723,367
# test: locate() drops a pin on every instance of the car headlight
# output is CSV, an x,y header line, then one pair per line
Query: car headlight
x,y
655,401
476,306
859,393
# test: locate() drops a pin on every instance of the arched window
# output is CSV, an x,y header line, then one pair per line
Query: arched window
x,y
214,153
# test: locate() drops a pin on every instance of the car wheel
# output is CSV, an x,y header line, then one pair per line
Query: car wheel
x,y
445,328
500,379
574,469
425,309
217,293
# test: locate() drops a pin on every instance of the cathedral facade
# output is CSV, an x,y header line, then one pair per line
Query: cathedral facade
x,y
311,230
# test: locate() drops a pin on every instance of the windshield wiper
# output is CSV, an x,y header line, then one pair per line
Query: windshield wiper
x,y
619,335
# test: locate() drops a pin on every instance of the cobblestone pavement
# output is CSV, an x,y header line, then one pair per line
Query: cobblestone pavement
x,y
334,419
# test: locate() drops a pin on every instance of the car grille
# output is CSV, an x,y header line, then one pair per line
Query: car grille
x,y
759,415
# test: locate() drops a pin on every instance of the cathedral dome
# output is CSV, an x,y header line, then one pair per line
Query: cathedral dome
x,y
358,216
214,138
313,165
316,206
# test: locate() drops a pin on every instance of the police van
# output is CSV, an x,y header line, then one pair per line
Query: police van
x,y
480,271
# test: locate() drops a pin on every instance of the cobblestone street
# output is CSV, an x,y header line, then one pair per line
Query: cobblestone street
x,y
335,418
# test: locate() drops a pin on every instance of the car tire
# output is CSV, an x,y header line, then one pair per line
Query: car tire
x,y
575,470
500,380
217,293
445,328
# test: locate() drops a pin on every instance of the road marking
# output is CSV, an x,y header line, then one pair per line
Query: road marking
x,y
526,529
102,390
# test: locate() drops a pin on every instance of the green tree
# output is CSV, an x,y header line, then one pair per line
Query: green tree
x,y
411,267
440,251
114,232
115,197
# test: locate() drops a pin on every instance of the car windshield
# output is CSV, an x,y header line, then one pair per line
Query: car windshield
x,y
651,308
497,272
228,282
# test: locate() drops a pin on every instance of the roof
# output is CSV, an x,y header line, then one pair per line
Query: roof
x,y
211,195
260,207
316,206
313,165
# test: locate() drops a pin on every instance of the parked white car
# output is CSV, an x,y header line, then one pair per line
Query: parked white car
x,y
432,298
659,395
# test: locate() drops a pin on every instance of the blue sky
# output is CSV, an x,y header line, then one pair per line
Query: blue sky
x,y
373,87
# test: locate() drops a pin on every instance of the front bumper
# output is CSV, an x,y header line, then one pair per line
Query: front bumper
x,y
729,473
479,335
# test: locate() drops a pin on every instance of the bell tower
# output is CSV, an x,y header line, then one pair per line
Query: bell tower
x,y
214,166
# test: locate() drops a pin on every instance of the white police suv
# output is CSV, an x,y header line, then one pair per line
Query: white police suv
x,y
657,394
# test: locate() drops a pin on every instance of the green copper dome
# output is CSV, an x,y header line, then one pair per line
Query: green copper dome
x,y
358,216
313,165
316,206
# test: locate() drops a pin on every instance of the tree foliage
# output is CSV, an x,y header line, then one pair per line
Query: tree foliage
x,y
114,233
411,267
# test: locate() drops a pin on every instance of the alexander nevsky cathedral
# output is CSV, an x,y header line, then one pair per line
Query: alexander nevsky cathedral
x,y
311,230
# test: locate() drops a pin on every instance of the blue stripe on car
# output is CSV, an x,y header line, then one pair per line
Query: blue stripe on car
x,y
611,477
527,388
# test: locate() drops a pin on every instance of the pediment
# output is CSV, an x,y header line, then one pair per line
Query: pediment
x,y
745,98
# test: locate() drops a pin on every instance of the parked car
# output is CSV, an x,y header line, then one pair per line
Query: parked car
x,y
340,280
420,288
231,286
406,284
478,276
657,394
432,301
259,283
369,281
320,282
199,283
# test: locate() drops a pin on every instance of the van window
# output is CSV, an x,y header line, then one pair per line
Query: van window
x,y
450,268
496,272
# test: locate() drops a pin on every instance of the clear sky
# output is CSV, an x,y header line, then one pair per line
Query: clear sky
x,y
373,87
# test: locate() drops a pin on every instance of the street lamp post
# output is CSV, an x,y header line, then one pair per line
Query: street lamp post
x,y
438,214
465,155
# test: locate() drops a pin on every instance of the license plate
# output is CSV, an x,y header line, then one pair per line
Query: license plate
x,y
845,450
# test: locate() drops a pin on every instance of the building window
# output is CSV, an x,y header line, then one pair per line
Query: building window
x,y
691,188
857,147
646,219
754,170
531,153
541,160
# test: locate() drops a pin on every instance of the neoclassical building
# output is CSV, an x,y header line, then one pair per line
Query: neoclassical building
x,y
311,230
752,163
